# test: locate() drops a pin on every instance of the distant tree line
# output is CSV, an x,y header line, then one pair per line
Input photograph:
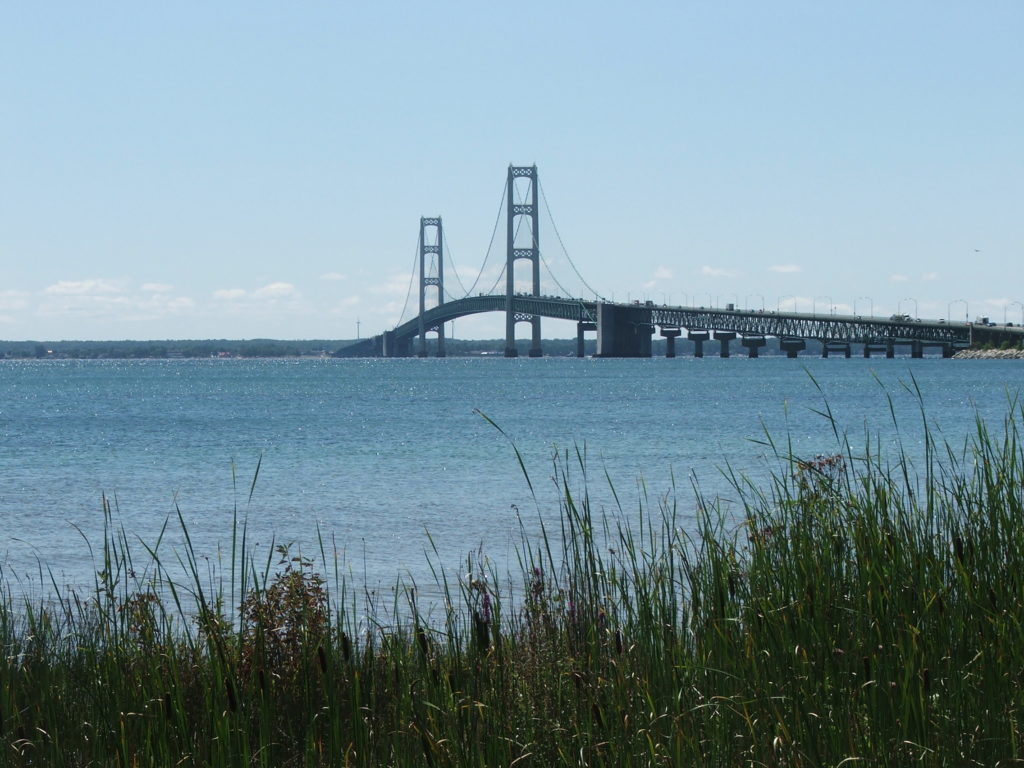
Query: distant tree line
x,y
169,349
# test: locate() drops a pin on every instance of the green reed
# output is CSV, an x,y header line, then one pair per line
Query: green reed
x,y
856,608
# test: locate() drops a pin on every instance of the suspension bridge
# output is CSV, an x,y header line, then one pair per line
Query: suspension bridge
x,y
626,329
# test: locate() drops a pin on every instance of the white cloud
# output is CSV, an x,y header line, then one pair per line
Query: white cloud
x,y
395,285
662,273
107,300
708,271
276,291
785,268
82,287
13,300
898,279
930,276
229,294
345,305
161,303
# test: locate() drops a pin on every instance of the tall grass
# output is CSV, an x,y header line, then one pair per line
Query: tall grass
x,y
862,609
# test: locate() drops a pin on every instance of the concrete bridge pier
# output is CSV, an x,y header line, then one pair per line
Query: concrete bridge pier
x,y
869,348
835,346
792,346
670,335
723,338
422,348
623,331
698,338
536,350
890,349
393,346
916,349
945,348
753,343
581,328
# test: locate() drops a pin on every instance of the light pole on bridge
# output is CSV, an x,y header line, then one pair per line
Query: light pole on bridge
x,y
949,309
1021,311
814,304
871,302
899,305
747,300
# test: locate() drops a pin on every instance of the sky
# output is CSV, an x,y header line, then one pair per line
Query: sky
x,y
258,169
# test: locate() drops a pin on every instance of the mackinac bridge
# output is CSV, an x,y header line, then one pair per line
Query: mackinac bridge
x,y
627,329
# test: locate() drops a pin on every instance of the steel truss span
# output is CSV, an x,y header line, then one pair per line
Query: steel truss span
x,y
648,318
843,328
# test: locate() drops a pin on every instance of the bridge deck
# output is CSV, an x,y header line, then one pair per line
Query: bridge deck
x,y
855,329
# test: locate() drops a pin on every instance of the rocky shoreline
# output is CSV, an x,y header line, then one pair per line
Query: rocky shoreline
x,y
989,354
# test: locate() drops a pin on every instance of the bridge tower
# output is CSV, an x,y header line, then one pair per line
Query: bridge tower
x,y
434,248
528,210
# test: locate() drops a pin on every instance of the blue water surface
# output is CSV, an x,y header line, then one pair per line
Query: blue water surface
x,y
371,456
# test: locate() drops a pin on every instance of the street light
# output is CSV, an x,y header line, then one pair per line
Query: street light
x,y
778,302
870,300
949,309
814,304
899,305
746,300
1021,311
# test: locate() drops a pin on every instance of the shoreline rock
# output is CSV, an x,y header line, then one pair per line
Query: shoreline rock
x,y
989,354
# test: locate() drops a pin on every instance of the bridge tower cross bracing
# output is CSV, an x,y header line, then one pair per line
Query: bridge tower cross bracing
x,y
529,209
434,248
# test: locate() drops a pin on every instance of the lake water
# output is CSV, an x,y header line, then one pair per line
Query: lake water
x,y
376,453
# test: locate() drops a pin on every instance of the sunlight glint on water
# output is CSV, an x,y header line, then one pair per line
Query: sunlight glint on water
x,y
378,452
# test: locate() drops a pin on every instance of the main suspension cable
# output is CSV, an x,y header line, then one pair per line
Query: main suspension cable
x,y
551,274
451,264
501,274
412,277
559,236
490,245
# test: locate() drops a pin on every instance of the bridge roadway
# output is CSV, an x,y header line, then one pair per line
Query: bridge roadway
x,y
625,329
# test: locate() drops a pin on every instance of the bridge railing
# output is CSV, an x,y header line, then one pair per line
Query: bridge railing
x,y
835,328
